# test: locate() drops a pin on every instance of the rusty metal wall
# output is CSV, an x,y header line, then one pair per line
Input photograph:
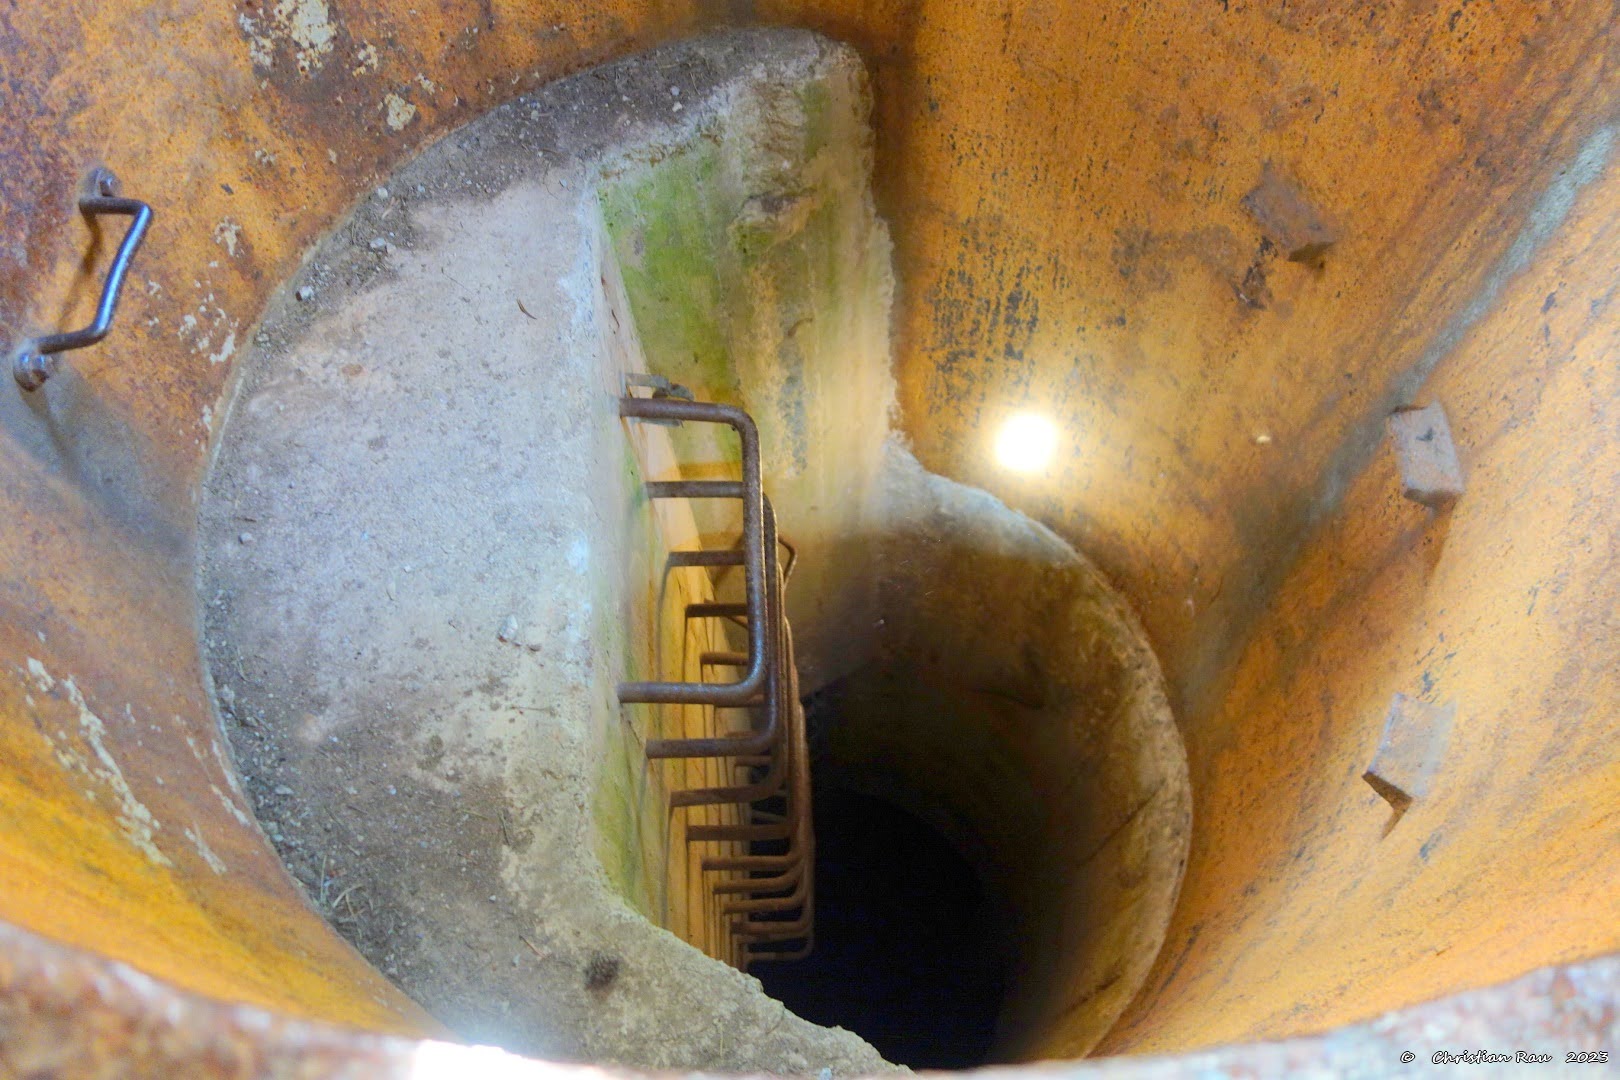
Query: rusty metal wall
x,y
1065,184
249,128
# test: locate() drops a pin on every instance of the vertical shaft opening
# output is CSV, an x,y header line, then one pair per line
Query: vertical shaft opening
x,y
910,951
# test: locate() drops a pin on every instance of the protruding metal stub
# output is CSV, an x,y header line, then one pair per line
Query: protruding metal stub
x,y
661,388
32,368
36,361
1430,471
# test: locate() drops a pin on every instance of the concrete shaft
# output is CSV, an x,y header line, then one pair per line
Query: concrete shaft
x,y
1215,249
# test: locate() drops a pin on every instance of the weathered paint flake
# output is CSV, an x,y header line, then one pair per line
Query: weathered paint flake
x,y
365,59
226,348
136,821
304,27
400,112
226,235
215,863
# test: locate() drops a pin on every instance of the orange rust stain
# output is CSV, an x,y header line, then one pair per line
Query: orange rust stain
x,y
1299,912
1064,183
246,160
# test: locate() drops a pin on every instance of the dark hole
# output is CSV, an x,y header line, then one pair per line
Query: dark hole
x,y
906,952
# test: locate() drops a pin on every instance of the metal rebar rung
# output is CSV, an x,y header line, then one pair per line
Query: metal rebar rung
x,y
735,745
779,758
779,931
789,875
661,388
706,558
700,834
796,898
696,489
748,687
715,611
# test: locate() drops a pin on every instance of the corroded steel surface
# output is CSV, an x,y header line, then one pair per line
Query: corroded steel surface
x,y
1507,605
250,129
1065,185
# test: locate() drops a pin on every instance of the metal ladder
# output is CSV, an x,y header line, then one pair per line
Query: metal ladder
x,y
766,899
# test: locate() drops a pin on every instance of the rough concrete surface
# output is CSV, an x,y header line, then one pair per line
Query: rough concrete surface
x,y
1465,152
1015,703
409,549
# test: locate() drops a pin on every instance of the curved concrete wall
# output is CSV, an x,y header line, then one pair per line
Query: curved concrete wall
x,y
1065,185
1014,703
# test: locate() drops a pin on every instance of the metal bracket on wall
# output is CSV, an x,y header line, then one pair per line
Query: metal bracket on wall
x,y
36,360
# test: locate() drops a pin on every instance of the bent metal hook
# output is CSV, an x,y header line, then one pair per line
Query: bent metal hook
x,y
36,360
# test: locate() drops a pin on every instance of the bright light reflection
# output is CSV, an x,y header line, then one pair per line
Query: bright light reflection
x,y
1026,443
452,1061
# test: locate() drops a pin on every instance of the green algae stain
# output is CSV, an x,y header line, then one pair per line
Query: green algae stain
x,y
629,844
727,283
666,225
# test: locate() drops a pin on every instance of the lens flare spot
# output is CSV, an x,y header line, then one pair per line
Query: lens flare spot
x,y
1026,443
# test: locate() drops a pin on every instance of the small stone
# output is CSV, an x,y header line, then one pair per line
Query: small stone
x,y
381,193
283,789
509,629
674,91
306,293
677,107
379,244
245,539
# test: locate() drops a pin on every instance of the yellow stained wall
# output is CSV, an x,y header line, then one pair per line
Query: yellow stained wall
x,y
1062,180
1298,912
